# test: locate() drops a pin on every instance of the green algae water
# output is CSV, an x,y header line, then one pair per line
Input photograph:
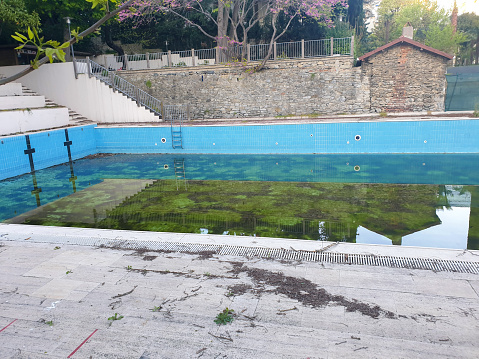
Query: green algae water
x,y
414,200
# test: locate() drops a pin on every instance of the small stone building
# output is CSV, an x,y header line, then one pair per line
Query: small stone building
x,y
405,76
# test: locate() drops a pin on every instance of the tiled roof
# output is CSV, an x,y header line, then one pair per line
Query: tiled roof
x,y
403,39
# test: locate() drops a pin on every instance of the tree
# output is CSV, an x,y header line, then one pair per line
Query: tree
x,y
54,12
469,51
53,49
432,25
234,19
15,17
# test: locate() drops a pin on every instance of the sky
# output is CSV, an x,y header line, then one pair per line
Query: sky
x,y
462,5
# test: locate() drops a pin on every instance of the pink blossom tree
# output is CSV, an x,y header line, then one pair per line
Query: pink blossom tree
x,y
233,19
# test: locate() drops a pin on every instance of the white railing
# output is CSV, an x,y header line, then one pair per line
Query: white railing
x,y
280,51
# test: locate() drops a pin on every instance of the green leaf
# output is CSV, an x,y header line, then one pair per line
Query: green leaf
x,y
49,53
60,55
18,38
64,45
30,33
19,47
20,35
52,43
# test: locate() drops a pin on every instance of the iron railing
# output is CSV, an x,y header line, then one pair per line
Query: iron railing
x,y
280,51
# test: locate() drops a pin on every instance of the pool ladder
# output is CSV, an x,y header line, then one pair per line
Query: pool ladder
x,y
180,174
176,137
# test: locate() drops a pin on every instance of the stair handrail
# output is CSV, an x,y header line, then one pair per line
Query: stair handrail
x,y
121,85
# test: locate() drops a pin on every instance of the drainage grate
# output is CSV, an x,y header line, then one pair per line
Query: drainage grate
x,y
438,265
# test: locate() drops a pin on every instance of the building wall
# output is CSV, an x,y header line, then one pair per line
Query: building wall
x,y
300,87
404,78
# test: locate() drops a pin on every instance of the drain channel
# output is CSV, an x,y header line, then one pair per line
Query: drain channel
x,y
438,265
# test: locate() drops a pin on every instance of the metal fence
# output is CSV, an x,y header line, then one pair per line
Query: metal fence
x,y
279,51
462,88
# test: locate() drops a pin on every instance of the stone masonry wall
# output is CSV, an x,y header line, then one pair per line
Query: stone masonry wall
x,y
404,78
300,87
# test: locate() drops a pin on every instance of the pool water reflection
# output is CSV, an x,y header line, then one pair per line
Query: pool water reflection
x,y
414,200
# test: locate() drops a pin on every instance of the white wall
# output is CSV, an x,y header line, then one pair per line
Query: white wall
x,y
11,89
13,102
87,96
33,120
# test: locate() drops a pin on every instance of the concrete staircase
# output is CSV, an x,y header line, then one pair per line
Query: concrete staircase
x,y
74,117
22,112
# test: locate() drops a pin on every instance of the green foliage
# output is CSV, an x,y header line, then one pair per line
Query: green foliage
x,y
115,317
444,38
50,323
476,111
431,24
52,49
156,309
225,317
14,16
148,84
469,49
104,4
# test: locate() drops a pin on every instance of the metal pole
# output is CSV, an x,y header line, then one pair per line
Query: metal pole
x,y
193,62
274,49
88,66
147,60
169,58
352,45
332,46
69,31
302,48
248,46
75,68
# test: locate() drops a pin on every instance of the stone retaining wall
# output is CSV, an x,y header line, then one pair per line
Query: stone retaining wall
x,y
401,78
287,87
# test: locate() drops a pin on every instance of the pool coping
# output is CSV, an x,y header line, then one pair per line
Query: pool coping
x,y
304,120
136,239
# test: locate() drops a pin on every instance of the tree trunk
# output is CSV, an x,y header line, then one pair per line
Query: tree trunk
x,y
477,51
112,45
221,38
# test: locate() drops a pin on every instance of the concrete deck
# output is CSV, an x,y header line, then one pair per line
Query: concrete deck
x,y
251,121
56,298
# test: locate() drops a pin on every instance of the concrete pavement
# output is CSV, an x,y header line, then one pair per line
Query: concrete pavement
x,y
56,300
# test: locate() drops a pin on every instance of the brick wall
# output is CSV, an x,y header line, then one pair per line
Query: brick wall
x,y
404,78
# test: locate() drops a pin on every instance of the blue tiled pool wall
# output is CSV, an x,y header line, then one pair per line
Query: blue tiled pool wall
x,y
24,153
445,136
50,148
